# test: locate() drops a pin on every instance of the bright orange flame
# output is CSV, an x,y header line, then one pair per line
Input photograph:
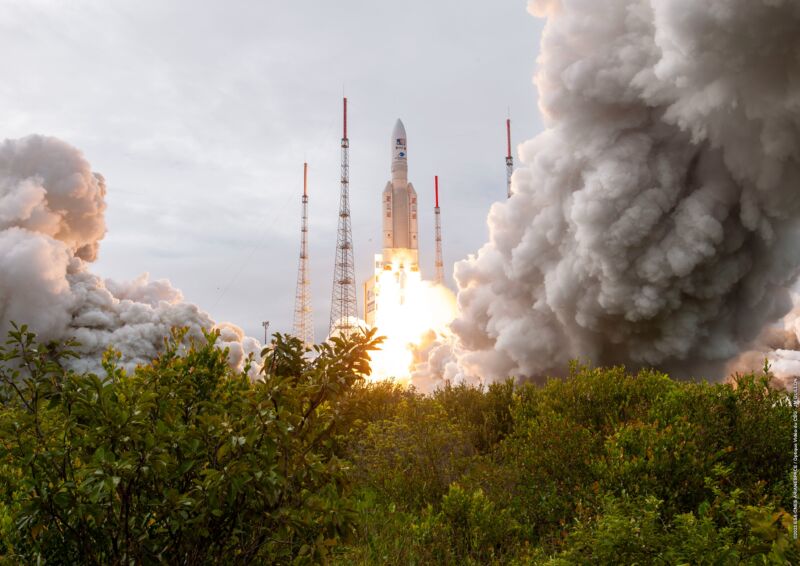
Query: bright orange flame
x,y
407,310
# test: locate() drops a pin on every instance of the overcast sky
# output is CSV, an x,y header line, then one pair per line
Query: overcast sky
x,y
200,115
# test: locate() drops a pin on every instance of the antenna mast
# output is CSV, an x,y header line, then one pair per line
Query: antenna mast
x,y
437,216
509,159
303,323
344,308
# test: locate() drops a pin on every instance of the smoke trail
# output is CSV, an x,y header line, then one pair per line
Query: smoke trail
x,y
51,221
655,220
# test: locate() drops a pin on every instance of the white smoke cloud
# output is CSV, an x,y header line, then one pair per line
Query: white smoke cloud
x,y
778,345
51,221
655,220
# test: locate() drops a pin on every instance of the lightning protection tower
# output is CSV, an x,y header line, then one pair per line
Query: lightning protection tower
x,y
437,216
344,308
303,323
509,159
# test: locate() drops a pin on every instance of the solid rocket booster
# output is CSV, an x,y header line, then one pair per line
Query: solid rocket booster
x,y
400,207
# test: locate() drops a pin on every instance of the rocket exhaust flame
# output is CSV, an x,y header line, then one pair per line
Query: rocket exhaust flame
x,y
410,313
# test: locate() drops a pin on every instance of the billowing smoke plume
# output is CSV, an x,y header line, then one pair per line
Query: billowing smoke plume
x,y
655,220
51,221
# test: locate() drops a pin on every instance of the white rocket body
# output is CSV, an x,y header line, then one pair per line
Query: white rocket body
x,y
399,261
400,207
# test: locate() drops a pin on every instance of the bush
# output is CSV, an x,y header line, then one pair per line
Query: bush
x,y
183,462
633,530
468,529
483,413
544,473
412,458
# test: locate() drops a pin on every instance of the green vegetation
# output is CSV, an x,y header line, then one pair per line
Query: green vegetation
x,y
184,461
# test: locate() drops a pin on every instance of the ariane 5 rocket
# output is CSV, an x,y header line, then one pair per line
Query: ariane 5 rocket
x,y
400,207
398,263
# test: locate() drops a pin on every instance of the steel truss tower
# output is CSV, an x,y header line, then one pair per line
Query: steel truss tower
x,y
344,308
437,216
303,322
509,159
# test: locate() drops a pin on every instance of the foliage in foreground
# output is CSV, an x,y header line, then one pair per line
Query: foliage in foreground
x,y
185,461
604,467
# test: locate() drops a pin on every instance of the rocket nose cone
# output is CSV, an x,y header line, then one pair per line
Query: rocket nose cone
x,y
399,130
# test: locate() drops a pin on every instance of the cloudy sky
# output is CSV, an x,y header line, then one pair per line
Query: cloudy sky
x,y
200,115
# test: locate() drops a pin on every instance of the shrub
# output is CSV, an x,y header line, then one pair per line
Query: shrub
x,y
467,529
412,458
724,530
183,462
483,413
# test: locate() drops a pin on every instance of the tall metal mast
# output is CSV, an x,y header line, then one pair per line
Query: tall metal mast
x,y
344,308
509,159
437,216
303,323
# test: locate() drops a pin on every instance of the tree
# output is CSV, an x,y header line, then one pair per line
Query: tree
x,y
183,461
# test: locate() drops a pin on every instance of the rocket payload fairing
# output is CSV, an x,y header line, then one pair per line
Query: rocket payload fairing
x,y
400,255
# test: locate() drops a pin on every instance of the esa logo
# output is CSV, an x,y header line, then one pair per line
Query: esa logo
x,y
402,154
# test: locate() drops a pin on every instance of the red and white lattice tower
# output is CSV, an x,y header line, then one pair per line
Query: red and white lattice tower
x,y
344,308
438,217
303,322
509,159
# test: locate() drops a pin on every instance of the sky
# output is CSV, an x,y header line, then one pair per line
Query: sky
x,y
200,116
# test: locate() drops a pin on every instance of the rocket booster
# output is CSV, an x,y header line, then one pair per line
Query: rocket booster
x,y
400,206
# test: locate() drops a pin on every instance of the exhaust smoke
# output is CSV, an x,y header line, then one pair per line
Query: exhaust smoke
x,y
655,219
51,222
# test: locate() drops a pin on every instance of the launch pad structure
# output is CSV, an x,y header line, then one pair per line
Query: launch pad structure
x,y
509,158
439,264
303,320
344,306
